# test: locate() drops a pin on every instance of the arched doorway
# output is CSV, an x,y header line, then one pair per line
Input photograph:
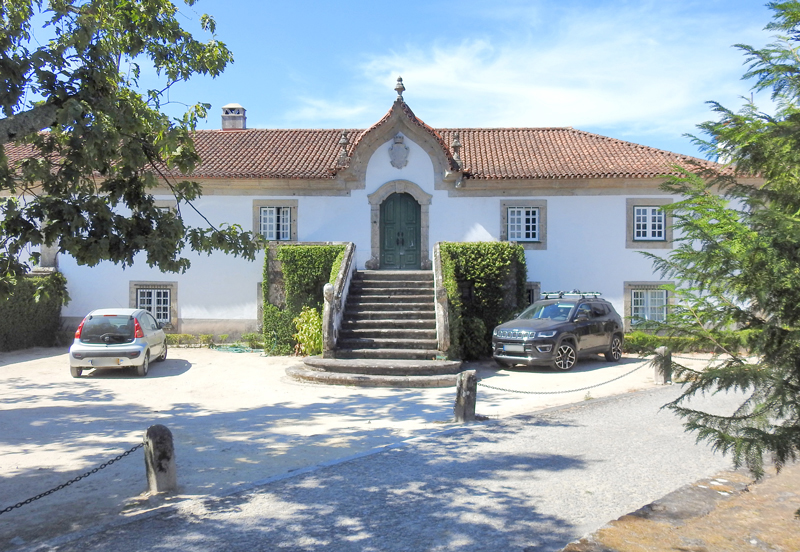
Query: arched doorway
x,y
400,229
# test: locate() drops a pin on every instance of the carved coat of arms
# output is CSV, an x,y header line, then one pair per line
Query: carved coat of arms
x,y
398,153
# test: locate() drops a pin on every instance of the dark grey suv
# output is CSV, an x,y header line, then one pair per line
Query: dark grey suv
x,y
559,328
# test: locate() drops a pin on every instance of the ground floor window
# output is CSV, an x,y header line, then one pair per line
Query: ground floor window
x,y
645,302
156,302
648,305
532,292
160,299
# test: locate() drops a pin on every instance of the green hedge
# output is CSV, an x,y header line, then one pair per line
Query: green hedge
x,y
31,315
306,269
485,283
639,342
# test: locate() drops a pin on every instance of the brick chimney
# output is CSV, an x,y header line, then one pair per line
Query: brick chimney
x,y
233,117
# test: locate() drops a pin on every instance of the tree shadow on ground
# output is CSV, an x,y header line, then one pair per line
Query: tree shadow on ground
x,y
437,495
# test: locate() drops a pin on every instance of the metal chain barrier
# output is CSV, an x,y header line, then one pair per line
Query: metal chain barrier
x,y
71,481
560,392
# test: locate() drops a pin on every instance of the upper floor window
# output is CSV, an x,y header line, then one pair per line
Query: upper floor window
x,y
275,219
523,224
649,223
524,221
276,223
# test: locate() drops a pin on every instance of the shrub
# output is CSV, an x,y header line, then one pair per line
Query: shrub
x,y
309,331
31,315
253,340
278,334
207,340
485,282
306,269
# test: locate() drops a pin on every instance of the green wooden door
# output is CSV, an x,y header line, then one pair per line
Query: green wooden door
x,y
400,233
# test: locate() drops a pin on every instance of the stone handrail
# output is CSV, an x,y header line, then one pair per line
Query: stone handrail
x,y
442,308
335,298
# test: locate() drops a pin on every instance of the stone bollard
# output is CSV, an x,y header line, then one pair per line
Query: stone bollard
x,y
466,395
662,365
159,459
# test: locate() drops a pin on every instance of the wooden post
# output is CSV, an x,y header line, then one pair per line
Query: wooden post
x,y
159,459
466,395
662,364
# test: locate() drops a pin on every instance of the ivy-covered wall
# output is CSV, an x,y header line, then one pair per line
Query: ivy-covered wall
x,y
298,273
485,283
31,315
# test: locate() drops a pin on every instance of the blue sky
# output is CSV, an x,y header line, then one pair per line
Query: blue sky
x,y
635,70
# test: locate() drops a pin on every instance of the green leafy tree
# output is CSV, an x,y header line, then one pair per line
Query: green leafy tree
x,y
737,262
82,147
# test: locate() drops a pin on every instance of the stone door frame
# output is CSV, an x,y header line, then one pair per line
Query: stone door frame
x,y
377,198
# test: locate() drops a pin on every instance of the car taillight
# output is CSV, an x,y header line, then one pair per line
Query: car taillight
x,y
80,328
137,329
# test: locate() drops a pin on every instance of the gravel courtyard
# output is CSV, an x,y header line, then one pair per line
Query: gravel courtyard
x,y
236,419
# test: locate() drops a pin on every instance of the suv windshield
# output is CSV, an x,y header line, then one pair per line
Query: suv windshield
x,y
552,311
108,329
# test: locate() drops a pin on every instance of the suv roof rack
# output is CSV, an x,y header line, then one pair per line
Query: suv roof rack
x,y
573,293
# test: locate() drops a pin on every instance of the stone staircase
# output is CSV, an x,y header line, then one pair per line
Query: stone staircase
x,y
387,337
389,315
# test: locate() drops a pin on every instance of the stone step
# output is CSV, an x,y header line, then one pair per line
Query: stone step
x,y
373,282
389,306
389,323
401,299
386,343
396,276
386,333
383,366
359,314
365,291
308,374
392,354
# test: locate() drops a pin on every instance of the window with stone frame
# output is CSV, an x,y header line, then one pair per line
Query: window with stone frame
x,y
648,225
275,220
160,299
524,221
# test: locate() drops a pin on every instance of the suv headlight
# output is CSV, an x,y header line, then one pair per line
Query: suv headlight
x,y
547,334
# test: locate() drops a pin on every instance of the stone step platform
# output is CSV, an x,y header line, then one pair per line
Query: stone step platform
x,y
389,354
393,275
377,373
399,299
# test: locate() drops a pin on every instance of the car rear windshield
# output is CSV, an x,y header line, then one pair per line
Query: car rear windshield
x,y
108,329
553,311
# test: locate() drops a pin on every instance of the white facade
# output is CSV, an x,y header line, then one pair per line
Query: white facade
x,y
585,231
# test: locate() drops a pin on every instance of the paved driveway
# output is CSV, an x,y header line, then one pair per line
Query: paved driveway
x,y
236,419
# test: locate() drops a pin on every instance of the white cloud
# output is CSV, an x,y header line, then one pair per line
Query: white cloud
x,y
639,68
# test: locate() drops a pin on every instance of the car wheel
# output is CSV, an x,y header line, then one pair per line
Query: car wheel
x,y
565,356
142,370
614,352
76,372
163,356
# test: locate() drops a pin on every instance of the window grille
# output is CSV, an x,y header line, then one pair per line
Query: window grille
x,y
523,224
648,223
156,302
276,223
648,304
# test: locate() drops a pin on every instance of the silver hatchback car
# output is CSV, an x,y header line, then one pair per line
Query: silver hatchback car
x,y
117,338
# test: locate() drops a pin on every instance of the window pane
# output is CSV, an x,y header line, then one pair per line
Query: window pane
x,y
283,223
156,302
268,223
648,223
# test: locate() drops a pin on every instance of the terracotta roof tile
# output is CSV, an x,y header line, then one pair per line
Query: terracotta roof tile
x,y
486,153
